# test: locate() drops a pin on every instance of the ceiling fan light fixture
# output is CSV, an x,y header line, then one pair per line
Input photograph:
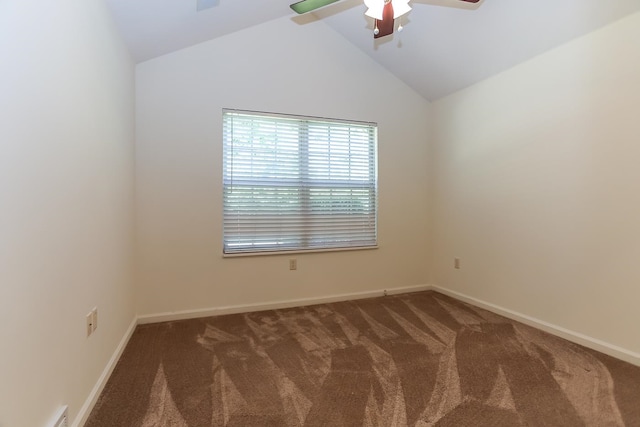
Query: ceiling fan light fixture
x,y
400,7
376,7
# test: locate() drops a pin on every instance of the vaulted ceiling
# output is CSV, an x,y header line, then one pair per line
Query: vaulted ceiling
x,y
446,44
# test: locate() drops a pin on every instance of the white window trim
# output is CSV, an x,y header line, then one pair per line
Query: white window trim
x,y
371,160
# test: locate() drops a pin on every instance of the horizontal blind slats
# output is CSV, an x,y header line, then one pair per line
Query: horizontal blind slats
x,y
294,183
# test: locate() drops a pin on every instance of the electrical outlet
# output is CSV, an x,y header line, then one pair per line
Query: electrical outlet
x,y
94,319
293,264
61,419
89,323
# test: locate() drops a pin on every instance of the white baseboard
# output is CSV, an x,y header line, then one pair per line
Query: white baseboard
x,y
84,412
274,305
576,337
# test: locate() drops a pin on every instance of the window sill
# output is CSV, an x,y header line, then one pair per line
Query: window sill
x,y
296,251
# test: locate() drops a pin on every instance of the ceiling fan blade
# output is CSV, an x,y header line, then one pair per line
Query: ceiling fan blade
x,y
305,6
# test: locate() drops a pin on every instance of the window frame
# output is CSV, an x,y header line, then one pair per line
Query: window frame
x,y
302,121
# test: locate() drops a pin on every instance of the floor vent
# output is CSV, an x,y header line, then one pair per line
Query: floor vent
x,y
61,419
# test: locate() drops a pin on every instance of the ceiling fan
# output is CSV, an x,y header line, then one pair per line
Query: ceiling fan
x,y
384,12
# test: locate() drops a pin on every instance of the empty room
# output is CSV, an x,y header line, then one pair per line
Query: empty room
x,y
322,213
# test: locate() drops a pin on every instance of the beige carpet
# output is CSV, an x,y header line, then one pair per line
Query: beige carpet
x,y
419,359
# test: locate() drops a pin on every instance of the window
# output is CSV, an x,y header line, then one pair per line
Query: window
x,y
296,183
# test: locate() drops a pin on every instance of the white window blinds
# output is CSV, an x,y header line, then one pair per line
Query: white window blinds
x,y
297,183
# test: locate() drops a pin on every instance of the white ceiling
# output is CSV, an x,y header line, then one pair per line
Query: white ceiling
x,y
446,44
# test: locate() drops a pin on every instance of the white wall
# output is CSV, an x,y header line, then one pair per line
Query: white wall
x,y
66,203
283,67
537,187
